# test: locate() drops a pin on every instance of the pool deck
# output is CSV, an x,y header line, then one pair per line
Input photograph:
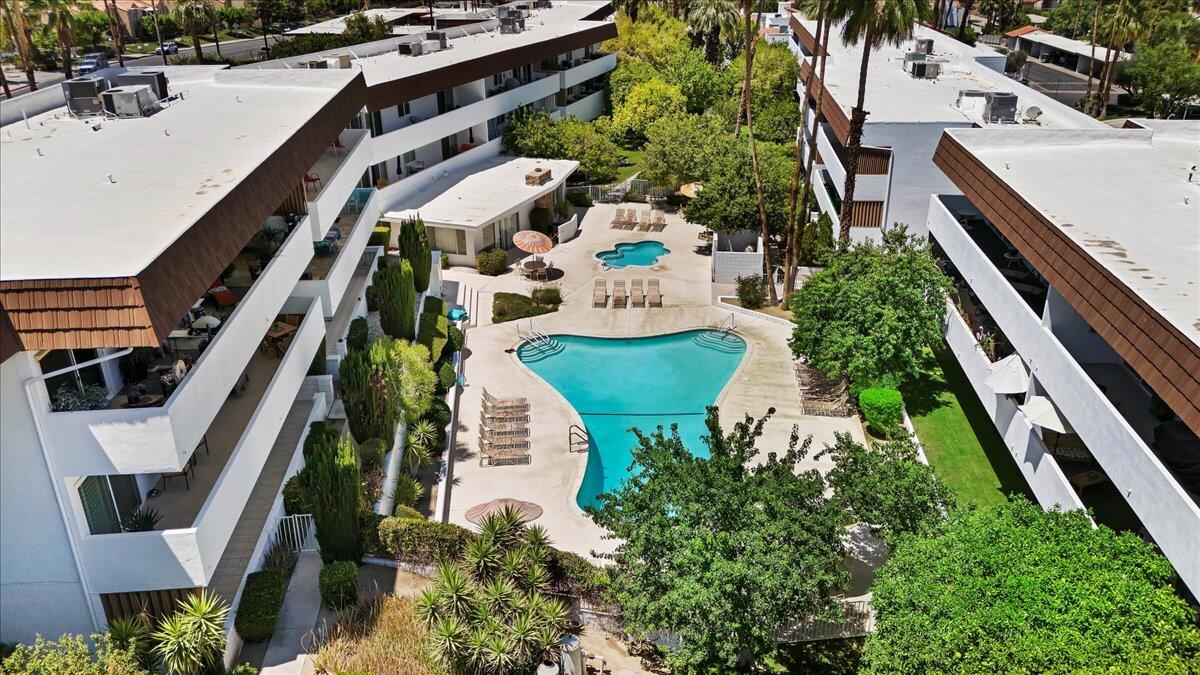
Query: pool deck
x,y
552,478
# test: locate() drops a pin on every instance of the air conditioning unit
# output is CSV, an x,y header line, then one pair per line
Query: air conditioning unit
x,y
338,61
913,57
438,37
927,70
155,79
1000,106
83,96
315,64
968,93
925,46
134,101
410,48
512,24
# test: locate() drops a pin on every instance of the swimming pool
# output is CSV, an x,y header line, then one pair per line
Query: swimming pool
x,y
619,383
631,254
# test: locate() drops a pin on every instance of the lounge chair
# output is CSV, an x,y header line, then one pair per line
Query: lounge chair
x,y
620,300
653,294
499,425
508,403
517,436
660,222
492,456
636,297
618,220
512,415
630,221
600,294
646,223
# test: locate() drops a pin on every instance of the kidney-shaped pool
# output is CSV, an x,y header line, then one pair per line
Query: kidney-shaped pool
x,y
616,384
633,254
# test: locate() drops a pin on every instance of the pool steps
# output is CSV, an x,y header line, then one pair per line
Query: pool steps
x,y
720,340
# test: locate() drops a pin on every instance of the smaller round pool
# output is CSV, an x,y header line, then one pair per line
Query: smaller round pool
x,y
631,254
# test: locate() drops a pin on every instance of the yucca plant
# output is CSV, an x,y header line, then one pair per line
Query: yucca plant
x,y
133,634
422,433
143,519
416,457
482,558
408,491
192,640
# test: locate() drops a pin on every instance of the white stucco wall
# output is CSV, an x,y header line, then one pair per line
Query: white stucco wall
x,y
914,176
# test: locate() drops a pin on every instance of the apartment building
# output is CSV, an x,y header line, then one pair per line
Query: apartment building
x,y
172,270
1077,321
928,84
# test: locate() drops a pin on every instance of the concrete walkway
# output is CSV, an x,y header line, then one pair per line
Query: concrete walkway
x,y
301,606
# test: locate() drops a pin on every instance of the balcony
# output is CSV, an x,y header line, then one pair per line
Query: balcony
x,y
585,105
161,439
585,69
1166,510
867,186
250,444
330,271
329,183
394,144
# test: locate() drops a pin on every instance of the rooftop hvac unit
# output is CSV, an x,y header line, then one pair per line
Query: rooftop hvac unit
x,y
315,64
927,70
410,48
438,37
969,93
925,46
83,96
134,101
1000,106
155,79
338,61
912,57
512,24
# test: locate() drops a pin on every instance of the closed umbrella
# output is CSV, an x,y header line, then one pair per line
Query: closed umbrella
x,y
1042,412
532,242
206,322
528,511
1009,376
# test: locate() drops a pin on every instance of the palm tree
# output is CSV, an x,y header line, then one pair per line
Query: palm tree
x,y
1126,27
707,21
873,24
113,27
966,19
60,18
17,26
193,15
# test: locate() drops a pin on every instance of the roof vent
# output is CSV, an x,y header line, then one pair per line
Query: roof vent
x,y
338,61
538,176
1000,106
910,57
83,96
435,40
969,93
134,101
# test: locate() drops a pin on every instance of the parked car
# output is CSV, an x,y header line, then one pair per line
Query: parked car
x,y
92,62
167,48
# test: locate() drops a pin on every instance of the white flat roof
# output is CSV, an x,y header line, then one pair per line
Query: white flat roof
x,y
1122,195
1066,44
476,195
103,198
338,25
894,95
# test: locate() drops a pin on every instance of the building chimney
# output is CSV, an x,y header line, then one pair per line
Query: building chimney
x,y
538,176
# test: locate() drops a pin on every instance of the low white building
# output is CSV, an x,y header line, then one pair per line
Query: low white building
x,y
1048,47
484,205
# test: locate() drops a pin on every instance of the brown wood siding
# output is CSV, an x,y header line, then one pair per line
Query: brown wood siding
x,y
141,310
394,92
831,112
806,38
1165,358
867,214
156,604
874,161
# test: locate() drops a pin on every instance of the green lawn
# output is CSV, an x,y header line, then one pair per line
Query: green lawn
x,y
960,440
633,164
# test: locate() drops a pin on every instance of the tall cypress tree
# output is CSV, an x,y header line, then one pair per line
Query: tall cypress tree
x,y
334,474
417,252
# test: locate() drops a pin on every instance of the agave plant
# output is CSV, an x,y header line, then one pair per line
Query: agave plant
x,y
193,639
422,433
416,457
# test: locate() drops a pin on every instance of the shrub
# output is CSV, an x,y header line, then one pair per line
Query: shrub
x,y
884,409
408,512
397,299
439,413
539,220
414,247
258,610
68,398
580,199
547,295
339,584
423,541
371,452
434,305
296,498
380,236
635,197
677,200
317,367
446,376
750,292
433,334
318,433
358,335
336,484
492,262
408,491
455,338
372,299
136,364
509,306
1014,61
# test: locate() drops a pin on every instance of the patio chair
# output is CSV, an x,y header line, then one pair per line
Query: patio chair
x,y
630,222
636,297
620,300
646,223
503,439
171,475
501,425
600,294
505,403
514,415
618,220
492,456
653,293
660,222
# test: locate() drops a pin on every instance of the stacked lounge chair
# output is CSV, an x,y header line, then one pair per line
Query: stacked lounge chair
x,y
600,294
503,431
653,293
637,298
620,300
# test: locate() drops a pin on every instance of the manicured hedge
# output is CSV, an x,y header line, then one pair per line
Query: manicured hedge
x,y
434,305
422,541
358,335
547,295
883,408
258,610
581,199
446,376
510,306
539,220
339,583
492,262
296,498
432,334
439,413
380,236
455,338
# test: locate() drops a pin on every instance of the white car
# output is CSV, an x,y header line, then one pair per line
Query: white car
x,y
167,48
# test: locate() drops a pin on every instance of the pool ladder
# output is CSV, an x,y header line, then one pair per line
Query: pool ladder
x,y
731,320
577,439
535,336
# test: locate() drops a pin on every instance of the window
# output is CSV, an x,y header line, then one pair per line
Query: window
x,y
108,500
376,123
448,240
403,110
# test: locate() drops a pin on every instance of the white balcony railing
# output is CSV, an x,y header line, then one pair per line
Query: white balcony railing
x,y
587,108
187,557
345,168
157,440
1164,508
394,144
587,70
330,289
391,195
867,187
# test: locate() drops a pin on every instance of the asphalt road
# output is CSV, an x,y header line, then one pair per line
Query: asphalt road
x,y
240,48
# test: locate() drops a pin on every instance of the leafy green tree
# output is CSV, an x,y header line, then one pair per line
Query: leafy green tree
x,y
700,82
59,17
628,74
685,149
535,134
650,38
1016,589
887,487
332,472
1072,18
167,25
724,550
1161,78
195,19
873,311
728,201
71,654
647,103
361,29
777,120
90,27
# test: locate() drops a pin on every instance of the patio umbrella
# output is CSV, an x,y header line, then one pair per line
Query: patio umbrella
x,y
527,510
1042,412
532,242
1009,376
206,322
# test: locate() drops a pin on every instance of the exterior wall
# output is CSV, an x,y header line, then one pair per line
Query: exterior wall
x,y
330,289
40,586
586,71
335,190
731,260
914,176
587,108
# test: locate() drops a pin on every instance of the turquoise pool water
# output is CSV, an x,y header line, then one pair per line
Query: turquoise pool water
x,y
618,384
630,254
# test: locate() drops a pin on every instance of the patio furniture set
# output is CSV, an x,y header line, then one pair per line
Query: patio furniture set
x,y
650,296
503,430
652,220
536,268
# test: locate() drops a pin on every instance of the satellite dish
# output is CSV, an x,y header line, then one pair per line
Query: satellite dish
x,y
1032,113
